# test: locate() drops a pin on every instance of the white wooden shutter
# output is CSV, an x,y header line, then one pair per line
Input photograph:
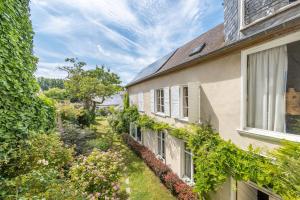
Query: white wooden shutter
x,y
175,101
130,129
130,100
141,101
167,101
152,101
194,102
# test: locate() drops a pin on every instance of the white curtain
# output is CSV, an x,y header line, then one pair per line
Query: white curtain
x,y
267,72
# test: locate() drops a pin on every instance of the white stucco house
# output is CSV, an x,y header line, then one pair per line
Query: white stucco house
x,y
243,77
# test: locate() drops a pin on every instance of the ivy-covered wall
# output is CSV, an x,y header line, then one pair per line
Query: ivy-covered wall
x,y
216,159
21,110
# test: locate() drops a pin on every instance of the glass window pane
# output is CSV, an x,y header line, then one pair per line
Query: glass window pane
x,y
185,91
185,112
185,101
159,146
139,134
163,149
293,89
266,89
187,164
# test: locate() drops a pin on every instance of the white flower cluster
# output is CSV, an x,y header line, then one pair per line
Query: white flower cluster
x,y
43,162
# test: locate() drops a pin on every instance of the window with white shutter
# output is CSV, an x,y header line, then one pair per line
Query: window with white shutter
x,y
160,100
194,102
152,101
175,101
141,101
167,101
185,102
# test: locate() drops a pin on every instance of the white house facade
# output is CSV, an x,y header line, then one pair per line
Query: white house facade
x,y
242,77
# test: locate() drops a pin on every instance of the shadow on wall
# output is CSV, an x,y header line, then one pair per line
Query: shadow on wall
x,y
171,144
207,113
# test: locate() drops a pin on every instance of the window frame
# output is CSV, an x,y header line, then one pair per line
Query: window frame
x,y
140,97
159,101
254,132
189,152
161,142
243,26
134,127
136,134
185,118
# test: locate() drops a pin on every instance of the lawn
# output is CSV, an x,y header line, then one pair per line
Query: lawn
x,y
139,182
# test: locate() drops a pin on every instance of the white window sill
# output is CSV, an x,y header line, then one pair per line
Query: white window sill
x,y
269,135
160,114
188,181
185,119
159,157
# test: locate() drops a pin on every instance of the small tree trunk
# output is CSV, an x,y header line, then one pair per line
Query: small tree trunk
x,y
93,107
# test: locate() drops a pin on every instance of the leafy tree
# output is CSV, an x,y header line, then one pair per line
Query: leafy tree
x,y
85,85
48,83
56,93
21,110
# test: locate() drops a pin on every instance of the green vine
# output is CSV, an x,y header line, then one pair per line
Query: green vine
x,y
21,110
217,159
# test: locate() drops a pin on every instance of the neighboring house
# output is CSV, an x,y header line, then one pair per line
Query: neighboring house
x,y
113,101
243,77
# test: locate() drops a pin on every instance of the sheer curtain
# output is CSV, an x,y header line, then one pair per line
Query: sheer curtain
x,y
267,72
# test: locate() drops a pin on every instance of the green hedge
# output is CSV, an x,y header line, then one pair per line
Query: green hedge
x,y
21,110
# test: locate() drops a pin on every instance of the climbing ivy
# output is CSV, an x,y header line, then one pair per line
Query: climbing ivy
x,y
216,160
21,110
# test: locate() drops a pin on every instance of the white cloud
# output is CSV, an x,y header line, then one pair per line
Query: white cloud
x,y
123,34
50,70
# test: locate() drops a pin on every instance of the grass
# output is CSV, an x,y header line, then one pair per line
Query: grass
x,y
143,183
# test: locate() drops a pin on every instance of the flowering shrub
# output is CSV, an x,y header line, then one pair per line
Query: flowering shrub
x,y
40,151
184,192
98,174
37,169
170,179
150,159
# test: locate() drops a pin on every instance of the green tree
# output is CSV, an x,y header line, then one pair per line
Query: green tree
x,y
48,83
85,85
56,93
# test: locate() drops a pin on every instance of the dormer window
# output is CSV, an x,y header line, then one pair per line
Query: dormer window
x,y
198,49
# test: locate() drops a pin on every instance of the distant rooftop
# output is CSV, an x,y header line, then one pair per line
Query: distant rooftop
x,y
114,100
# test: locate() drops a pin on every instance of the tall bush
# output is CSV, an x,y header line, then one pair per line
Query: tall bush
x,y
21,110
56,93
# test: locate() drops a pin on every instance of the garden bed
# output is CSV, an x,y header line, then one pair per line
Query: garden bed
x,y
178,188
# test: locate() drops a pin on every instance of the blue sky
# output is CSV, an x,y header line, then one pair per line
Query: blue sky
x,y
124,35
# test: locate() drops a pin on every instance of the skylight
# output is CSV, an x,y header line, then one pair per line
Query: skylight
x,y
198,49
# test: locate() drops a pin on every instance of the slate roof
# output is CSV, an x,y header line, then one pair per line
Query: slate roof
x,y
216,46
152,68
213,39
